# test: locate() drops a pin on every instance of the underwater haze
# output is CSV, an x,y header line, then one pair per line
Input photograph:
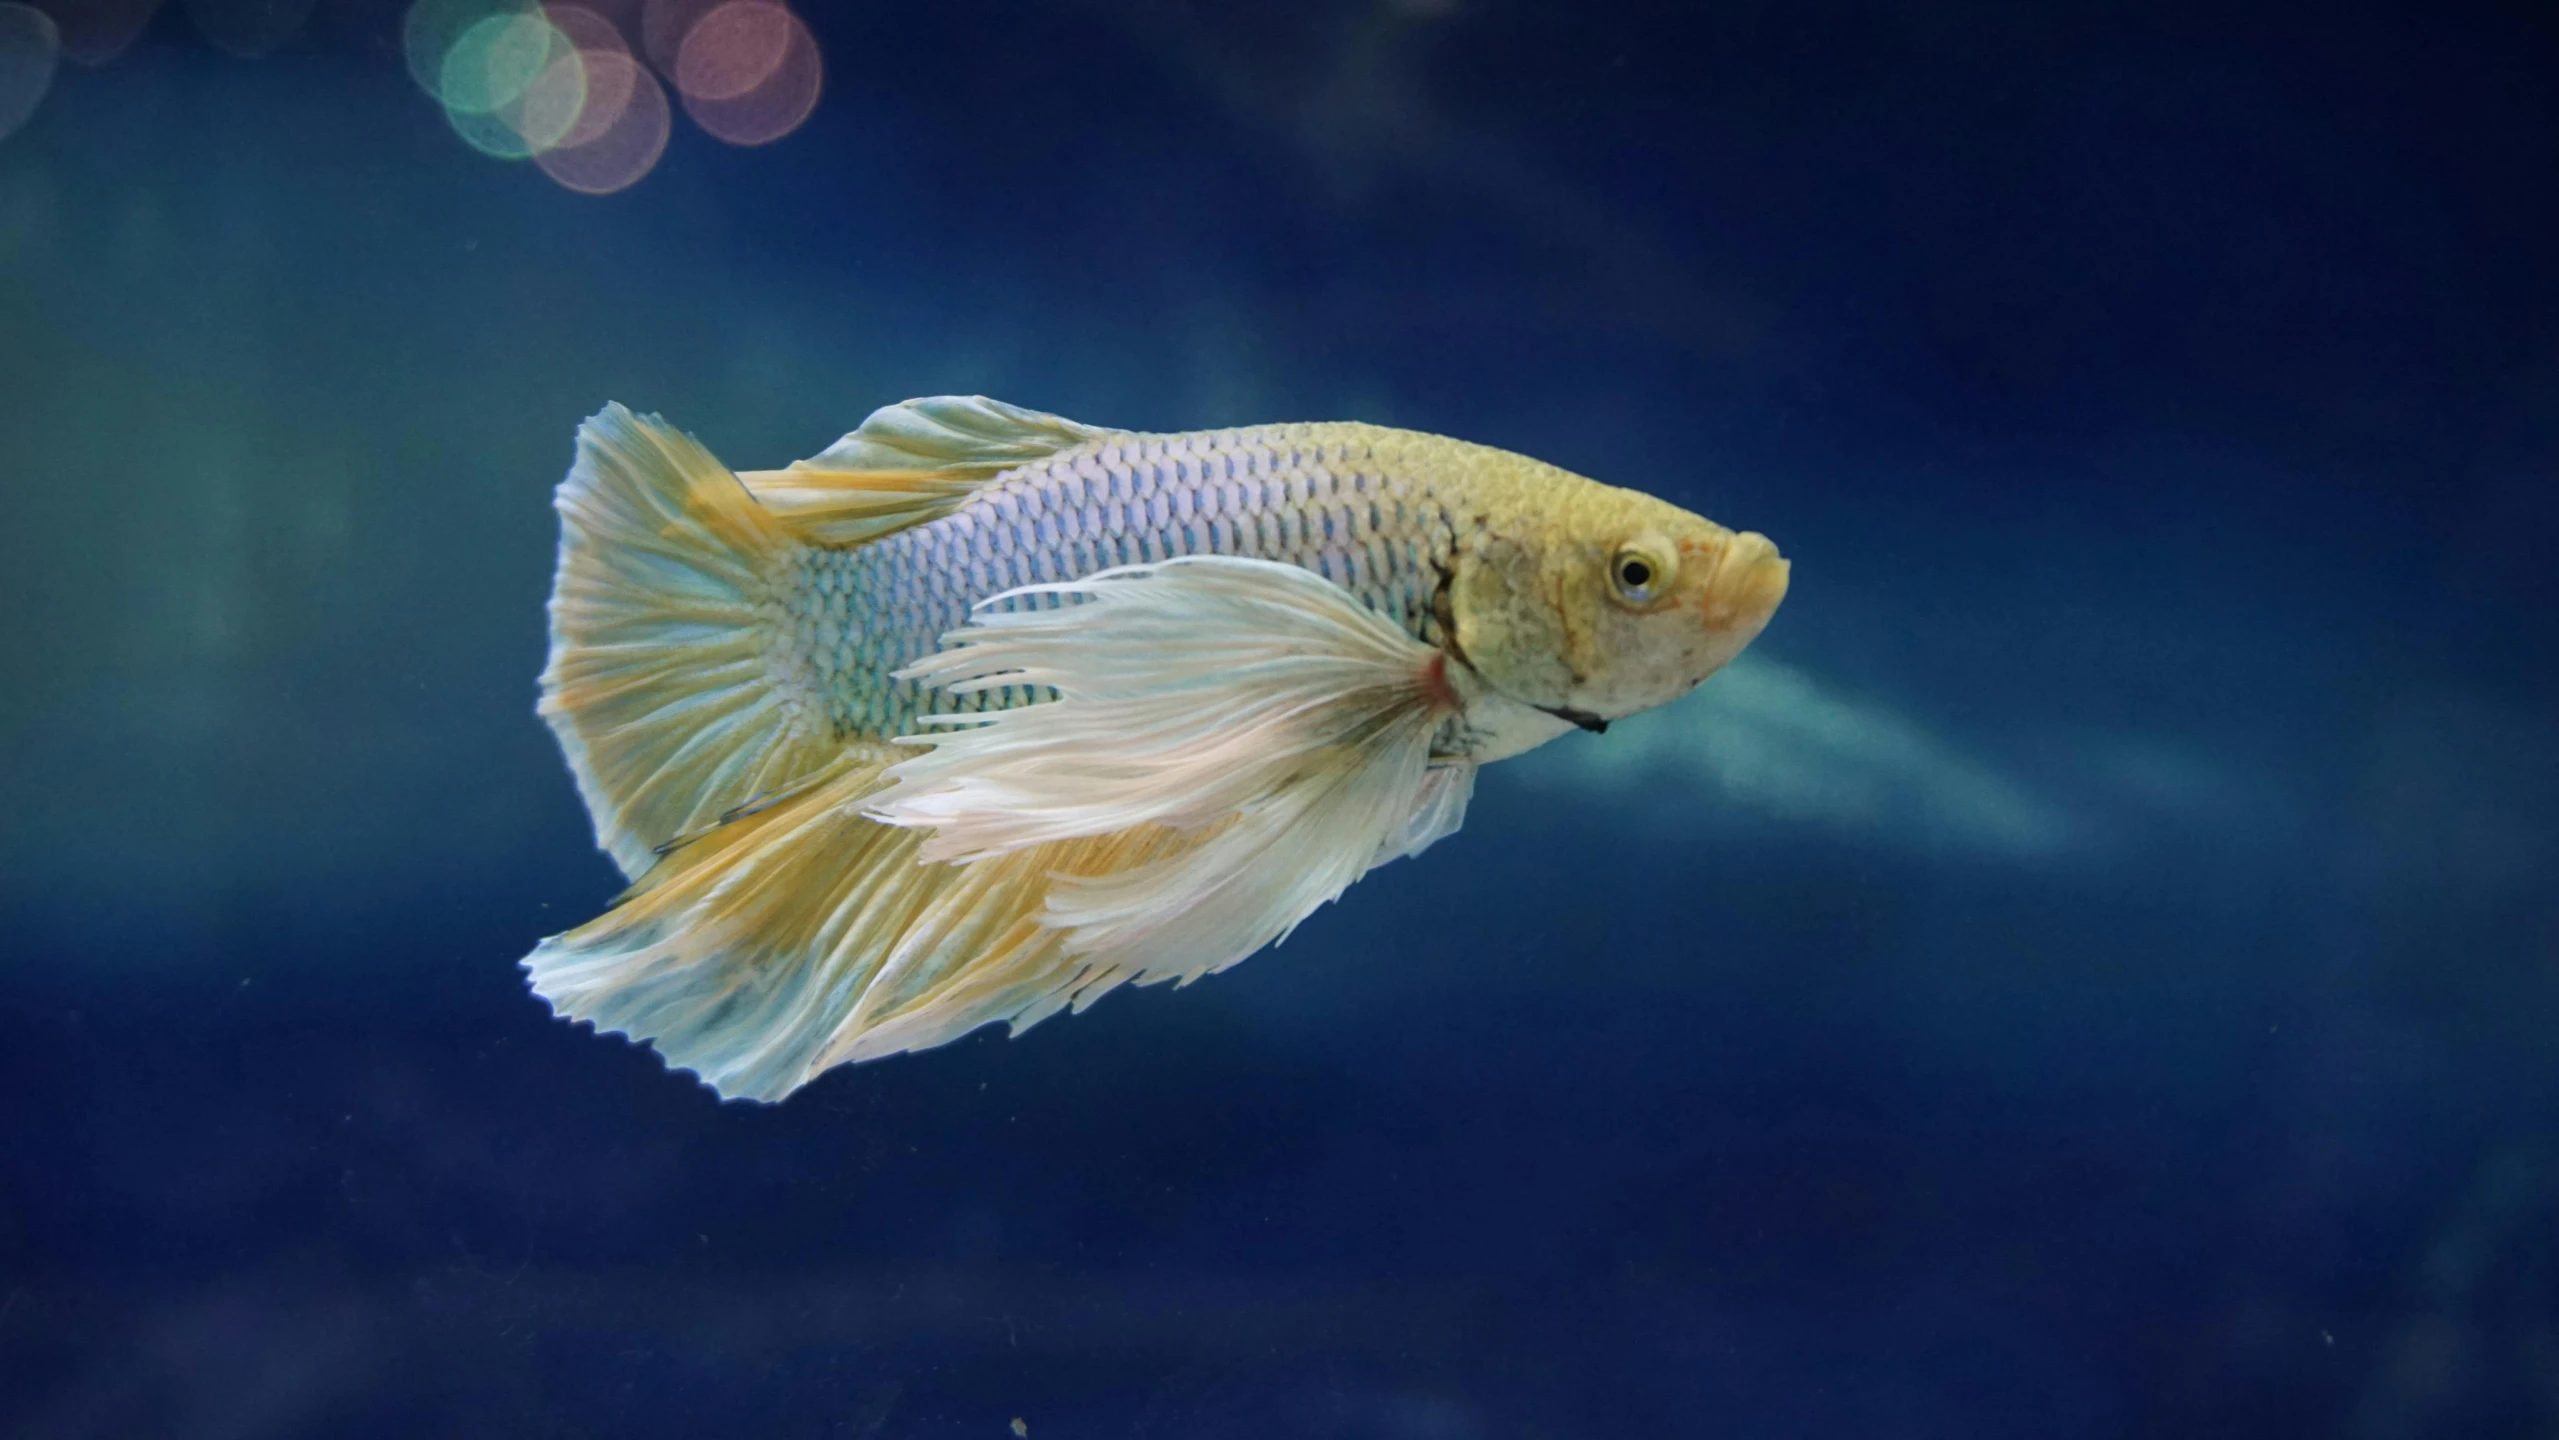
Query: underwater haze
x,y
2090,970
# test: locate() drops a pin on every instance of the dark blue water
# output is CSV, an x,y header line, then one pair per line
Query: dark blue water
x,y
2093,971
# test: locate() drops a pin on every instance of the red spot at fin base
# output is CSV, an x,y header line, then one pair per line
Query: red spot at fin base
x,y
1435,686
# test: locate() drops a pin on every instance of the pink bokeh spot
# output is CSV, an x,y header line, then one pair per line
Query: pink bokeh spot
x,y
772,106
733,49
612,75
628,147
663,26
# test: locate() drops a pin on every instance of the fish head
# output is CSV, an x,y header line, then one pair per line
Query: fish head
x,y
1595,603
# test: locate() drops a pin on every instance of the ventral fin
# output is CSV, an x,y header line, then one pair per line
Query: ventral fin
x,y
910,463
1255,708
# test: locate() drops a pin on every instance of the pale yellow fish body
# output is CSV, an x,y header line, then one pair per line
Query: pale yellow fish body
x,y
982,712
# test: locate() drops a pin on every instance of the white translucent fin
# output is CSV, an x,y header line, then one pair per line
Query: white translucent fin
x,y
657,683
910,463
804,935
1255,708
1436,815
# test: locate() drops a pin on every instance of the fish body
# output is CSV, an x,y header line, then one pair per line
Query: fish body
x,y
1340,500
981,712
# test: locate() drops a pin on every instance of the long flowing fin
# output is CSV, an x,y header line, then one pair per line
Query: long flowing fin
x,y
805,934
660,684
1254,707
908,464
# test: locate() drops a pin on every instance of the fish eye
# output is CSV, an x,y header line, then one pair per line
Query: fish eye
x,y
1642,570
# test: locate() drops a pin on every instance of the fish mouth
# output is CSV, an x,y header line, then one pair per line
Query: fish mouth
x,y
1745,586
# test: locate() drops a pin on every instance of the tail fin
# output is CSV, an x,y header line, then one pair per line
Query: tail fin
x,y
662,686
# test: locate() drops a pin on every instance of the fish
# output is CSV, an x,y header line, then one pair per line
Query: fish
x,y
982,713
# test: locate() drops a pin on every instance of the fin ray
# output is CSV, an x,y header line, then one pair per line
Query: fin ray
x,y
909,464
805,935
658,684
1254,706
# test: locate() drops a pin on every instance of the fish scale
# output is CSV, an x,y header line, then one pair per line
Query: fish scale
x,y
1337,499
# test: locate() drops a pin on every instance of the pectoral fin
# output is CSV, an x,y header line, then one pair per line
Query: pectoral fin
x,y
1254,708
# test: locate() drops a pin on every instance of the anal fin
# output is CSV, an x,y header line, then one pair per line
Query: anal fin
x,y
804,934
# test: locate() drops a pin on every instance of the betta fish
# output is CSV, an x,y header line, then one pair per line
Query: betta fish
x,y
982,713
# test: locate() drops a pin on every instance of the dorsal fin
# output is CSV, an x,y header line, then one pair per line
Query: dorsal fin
x,y
909,463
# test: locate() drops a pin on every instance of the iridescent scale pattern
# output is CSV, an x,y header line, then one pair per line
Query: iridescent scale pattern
x,y
1337,499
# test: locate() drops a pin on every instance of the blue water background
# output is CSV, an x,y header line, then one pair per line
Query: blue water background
x,y
2094,972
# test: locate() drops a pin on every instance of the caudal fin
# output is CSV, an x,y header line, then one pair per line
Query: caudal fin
x,y
662,687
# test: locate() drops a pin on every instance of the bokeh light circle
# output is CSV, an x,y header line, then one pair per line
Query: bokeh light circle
x,y
733,49
611,72
561,84
30,49
775,105
550,107
513,85
494,62
627,148
663,26
428,33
